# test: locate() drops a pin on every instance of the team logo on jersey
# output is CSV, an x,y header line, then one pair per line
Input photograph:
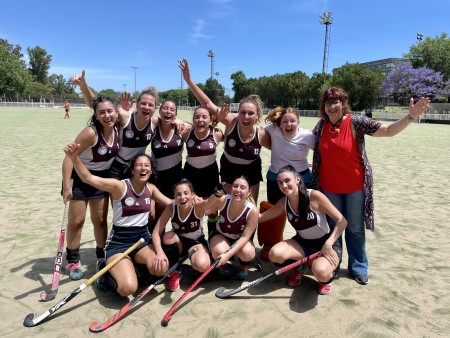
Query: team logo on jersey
x,y
102,150
221,219
129,134
191,143
290,216
231,143
129,201
175,226
157,144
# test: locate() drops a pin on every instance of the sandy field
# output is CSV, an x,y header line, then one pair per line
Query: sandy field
x,y
408,294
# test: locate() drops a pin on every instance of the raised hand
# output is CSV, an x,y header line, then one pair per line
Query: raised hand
x,y
184,66
78,80
415,110
125,100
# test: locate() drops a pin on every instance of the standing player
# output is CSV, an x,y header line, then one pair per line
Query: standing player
x,y
243,137
99,144
67,109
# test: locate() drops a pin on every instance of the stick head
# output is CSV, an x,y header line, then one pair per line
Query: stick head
x,y
28,321
94,327
165,321
45,297
219,292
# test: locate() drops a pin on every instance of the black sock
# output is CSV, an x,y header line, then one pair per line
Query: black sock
x,y
73,256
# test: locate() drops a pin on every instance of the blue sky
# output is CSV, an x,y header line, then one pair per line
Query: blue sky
x,y
259,37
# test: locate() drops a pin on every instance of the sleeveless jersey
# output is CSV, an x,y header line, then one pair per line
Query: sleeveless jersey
x,y
101,155
201,152
190,227
232,229
239,152
315,225
133,140
166,153
133,208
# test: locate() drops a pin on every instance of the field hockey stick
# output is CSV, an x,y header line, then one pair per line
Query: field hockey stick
x,y
46,296
96,327
221,293
29,321
168,315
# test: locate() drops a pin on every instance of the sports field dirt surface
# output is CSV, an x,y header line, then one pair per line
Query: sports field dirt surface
x,y
408,294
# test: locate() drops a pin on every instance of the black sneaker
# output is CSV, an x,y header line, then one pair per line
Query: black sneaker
x,y
362,279
100,283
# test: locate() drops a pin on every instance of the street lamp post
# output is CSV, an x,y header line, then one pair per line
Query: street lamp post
x,y
134,67
326,19
211,55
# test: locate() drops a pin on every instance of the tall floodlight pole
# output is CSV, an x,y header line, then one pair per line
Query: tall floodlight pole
x,y
134,67
217,76
326,19
181,86
211,55
419,37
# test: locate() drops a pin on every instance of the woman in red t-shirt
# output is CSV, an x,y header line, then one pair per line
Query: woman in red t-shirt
x,y
342,171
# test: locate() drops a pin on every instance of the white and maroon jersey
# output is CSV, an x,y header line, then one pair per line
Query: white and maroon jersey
x,y
133,208
233,228
101,155
201,152
133,140
238,151
315,225
166,153
190,226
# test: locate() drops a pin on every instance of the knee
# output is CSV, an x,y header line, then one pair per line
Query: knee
x,y
201,263
75,224
126,289
322,272
247,253
275,255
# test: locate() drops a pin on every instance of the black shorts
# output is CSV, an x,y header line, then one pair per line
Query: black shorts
x,y
188,243
121,238
230,171
204,180
82,191
166,179
311,246
117,170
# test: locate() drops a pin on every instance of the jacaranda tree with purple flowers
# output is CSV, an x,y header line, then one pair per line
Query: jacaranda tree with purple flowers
x,y
405,82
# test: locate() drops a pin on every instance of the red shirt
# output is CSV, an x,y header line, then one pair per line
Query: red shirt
x,y
341,171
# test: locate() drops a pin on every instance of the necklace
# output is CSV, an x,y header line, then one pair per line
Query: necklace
x,y
335,126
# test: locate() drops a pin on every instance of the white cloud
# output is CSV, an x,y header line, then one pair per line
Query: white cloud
x,y
198,31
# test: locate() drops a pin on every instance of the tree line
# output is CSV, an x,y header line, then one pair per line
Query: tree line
x,y
425,72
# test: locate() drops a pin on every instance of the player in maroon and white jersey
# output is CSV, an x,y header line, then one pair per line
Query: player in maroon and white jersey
x,y
238,218
131,205
186,215
98,148
306,211
243,137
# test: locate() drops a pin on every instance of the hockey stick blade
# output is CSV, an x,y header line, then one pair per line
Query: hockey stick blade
x,y
30,321
96,327
168,315
221,293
